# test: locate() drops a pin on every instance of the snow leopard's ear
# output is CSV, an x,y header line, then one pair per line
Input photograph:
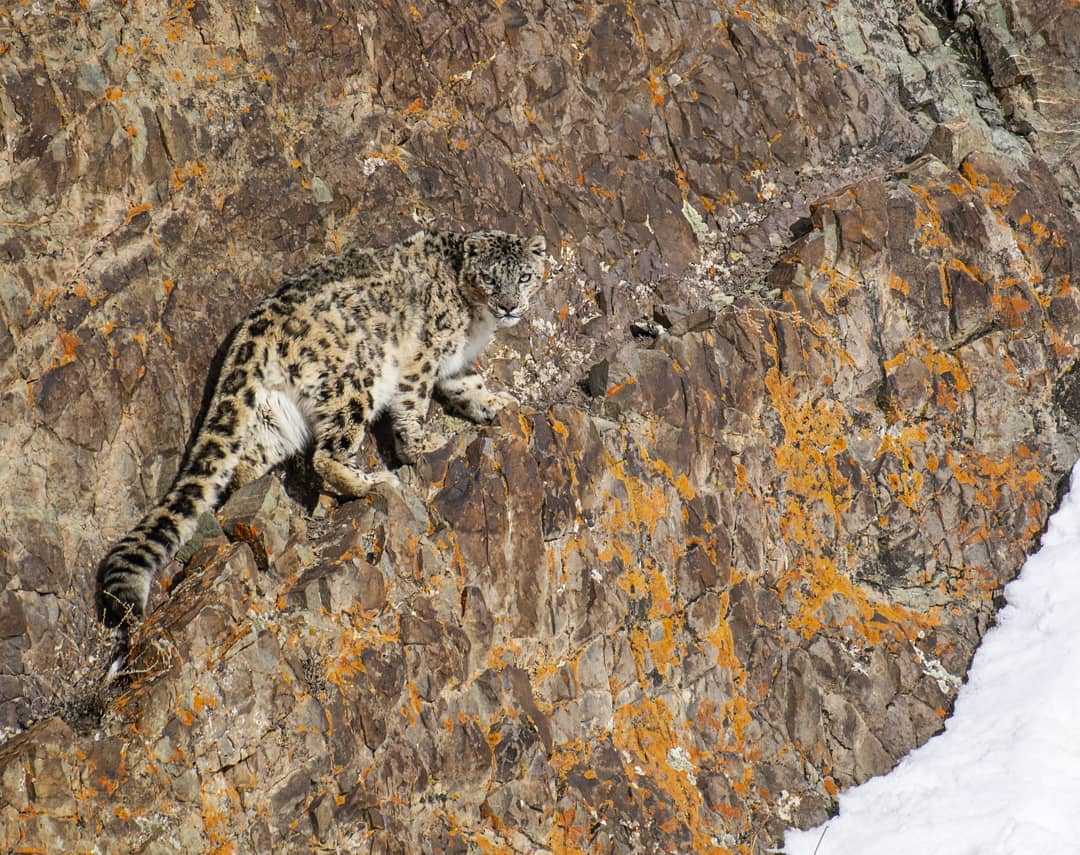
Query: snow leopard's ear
x,y
476,244
537,246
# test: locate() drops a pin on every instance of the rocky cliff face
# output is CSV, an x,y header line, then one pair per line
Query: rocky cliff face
x,y
796,402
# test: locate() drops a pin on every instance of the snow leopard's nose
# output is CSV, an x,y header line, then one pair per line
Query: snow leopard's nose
x,y
506,308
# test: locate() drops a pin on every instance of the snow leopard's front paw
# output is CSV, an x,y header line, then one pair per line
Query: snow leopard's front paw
x,y
466,396
505,399
486,409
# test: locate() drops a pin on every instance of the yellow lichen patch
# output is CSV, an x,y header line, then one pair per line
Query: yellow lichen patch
x,y
895,362
656,87
813,438
660,603
558,427
1013,478
645,506
906,485
735,712
632,581
659,465
1011,307
192,169
134,210
220,805
526,427
645,731
618,387
928,220
567,834
502,655
352,643
838,286
971,272
664,652
199,702
68,343
899,284
742,480
993,193
950,379
722,639
1042,233
680,482
412,711
817,581
568,754
489,847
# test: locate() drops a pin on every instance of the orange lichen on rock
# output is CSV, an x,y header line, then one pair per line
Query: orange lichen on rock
x,y
646,732
644,506
814,437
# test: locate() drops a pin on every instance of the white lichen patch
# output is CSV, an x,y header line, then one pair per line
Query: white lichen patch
x,y
696,221
932,667
787,805
373,162
679,760
767,188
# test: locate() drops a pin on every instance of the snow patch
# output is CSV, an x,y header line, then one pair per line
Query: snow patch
x,y
1001,779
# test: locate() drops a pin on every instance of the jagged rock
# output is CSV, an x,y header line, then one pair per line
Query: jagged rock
x,y
954,140
208,529
259,514
718,566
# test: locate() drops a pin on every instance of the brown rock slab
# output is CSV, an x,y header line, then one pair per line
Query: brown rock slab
x,y
259,514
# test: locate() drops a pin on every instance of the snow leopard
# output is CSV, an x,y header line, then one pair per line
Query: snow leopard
x,y
360,333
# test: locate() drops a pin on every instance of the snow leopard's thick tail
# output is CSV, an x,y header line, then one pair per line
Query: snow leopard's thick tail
x,y
125,574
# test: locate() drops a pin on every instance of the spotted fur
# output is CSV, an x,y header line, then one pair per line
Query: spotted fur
x,y
366,331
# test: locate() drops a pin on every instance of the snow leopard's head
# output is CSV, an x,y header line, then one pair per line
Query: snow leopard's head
x,y
501,272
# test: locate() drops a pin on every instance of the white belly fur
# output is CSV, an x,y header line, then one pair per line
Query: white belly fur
x,y
283,421
385,388
480,332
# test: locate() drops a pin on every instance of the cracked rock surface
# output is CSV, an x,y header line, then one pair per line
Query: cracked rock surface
x,y
797,400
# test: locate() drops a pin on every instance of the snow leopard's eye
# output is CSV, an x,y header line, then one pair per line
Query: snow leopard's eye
x,y
487,279
525,277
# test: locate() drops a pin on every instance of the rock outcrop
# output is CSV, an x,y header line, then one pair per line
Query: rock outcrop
x,y
796,402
